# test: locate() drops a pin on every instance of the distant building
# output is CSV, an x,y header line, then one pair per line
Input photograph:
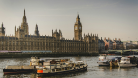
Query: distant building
x,y
108,44
126,45
130,44
135,42
101,45
55,43
117,44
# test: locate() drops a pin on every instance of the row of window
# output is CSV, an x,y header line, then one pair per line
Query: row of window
x,y
40,43
21,48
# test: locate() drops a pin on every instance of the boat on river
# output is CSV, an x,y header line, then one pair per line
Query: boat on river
x,y
103,61
109,61
51,66
59,66
128,62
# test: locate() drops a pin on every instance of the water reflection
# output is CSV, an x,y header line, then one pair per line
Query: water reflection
x,y
19,76
32,75
104,68
77,58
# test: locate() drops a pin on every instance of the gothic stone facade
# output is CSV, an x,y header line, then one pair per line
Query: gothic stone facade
x,y
56,43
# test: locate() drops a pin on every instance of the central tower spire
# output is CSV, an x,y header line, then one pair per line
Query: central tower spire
x,y
24,12
24,17
24,24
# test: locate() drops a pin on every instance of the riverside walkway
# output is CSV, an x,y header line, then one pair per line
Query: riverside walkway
x,y
40,54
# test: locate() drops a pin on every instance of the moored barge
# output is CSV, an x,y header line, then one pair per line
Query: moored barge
x,y
18,69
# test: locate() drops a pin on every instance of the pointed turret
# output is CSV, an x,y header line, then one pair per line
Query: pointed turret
x,y
52,32
15,27
78,20
56,30
60,33
2,24
2,30
36,30
15,30
78,17
19,27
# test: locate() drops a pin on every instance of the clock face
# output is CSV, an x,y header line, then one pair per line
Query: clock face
x,y
80,28
75,28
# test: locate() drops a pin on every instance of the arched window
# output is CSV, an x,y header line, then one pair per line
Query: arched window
x,y
21,35
2,42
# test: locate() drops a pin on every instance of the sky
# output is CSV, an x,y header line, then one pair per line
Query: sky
x,y
107,18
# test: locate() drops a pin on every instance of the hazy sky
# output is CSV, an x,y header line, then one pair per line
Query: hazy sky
x,y
107,18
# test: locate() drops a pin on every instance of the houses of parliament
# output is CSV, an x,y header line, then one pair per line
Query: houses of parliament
x,y
22,41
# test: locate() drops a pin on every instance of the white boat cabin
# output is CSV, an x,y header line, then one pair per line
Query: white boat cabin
x,y
125,60
102,58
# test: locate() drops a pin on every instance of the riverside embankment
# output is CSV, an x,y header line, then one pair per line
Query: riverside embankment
x,y
23,55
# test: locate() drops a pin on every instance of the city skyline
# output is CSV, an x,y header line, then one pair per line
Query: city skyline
x,y
113,19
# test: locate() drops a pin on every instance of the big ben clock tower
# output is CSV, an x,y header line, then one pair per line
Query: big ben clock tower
x,y
78,29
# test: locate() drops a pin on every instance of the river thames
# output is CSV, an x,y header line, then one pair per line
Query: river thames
x,y
93,70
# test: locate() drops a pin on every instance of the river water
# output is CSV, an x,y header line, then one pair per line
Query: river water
x,y
93,70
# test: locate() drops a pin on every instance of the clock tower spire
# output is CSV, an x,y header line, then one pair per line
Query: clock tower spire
x,y
78,29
